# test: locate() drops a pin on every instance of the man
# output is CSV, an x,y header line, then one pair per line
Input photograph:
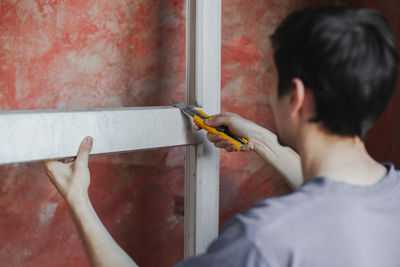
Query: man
x,y
336,71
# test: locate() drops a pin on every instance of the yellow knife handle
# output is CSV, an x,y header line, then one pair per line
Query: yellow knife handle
x,y
200,122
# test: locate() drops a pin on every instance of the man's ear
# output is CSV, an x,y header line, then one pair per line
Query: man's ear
x,y
297,96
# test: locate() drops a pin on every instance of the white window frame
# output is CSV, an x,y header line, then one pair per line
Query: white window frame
x,y
35,135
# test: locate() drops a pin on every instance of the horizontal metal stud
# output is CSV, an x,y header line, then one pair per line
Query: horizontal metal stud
x,y
34,135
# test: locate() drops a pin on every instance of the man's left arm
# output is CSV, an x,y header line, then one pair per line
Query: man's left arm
x,y
72,181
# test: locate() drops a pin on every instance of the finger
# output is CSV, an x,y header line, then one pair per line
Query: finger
x,y
56,168
84,151
50,166
47,164
218,121
196,127
217,115
68,160
247,147
230,148
223,144
223,114
214,137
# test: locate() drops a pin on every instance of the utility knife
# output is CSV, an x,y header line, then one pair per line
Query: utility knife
x,y
199,118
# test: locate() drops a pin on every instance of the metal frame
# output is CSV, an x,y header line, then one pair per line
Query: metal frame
x,y
48,134
203,89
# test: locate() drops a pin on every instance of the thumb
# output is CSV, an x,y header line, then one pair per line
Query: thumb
x,y
84,150
218,121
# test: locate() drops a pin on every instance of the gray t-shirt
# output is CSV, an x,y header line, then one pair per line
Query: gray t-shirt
x,y
324,223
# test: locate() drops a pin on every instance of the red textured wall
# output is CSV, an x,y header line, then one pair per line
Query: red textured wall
x,y
86,54
72,54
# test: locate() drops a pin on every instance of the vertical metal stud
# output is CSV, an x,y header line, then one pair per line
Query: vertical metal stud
x,y
203,89
202,160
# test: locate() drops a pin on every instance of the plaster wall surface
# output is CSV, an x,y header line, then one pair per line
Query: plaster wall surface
x,y
93,54
84,54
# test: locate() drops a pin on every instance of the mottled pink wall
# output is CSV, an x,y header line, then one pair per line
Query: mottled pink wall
x,y
93,54
81,54
68,54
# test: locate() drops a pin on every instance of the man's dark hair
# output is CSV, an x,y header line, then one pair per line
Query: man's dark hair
x,y
346,56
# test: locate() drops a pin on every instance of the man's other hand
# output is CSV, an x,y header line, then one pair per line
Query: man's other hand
x,y
72,179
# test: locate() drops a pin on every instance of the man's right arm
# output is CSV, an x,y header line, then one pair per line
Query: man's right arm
x,y
263,142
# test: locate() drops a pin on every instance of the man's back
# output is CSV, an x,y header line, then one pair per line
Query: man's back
x,y
324,223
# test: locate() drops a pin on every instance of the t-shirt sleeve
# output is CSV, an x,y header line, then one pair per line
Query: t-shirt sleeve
x,y
232,248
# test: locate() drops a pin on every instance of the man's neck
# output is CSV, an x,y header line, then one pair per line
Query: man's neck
x,y
339,158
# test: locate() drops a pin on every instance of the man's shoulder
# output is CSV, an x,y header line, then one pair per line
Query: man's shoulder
x,y
316,201
275,207
271,218
267,228
275,229
391,169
